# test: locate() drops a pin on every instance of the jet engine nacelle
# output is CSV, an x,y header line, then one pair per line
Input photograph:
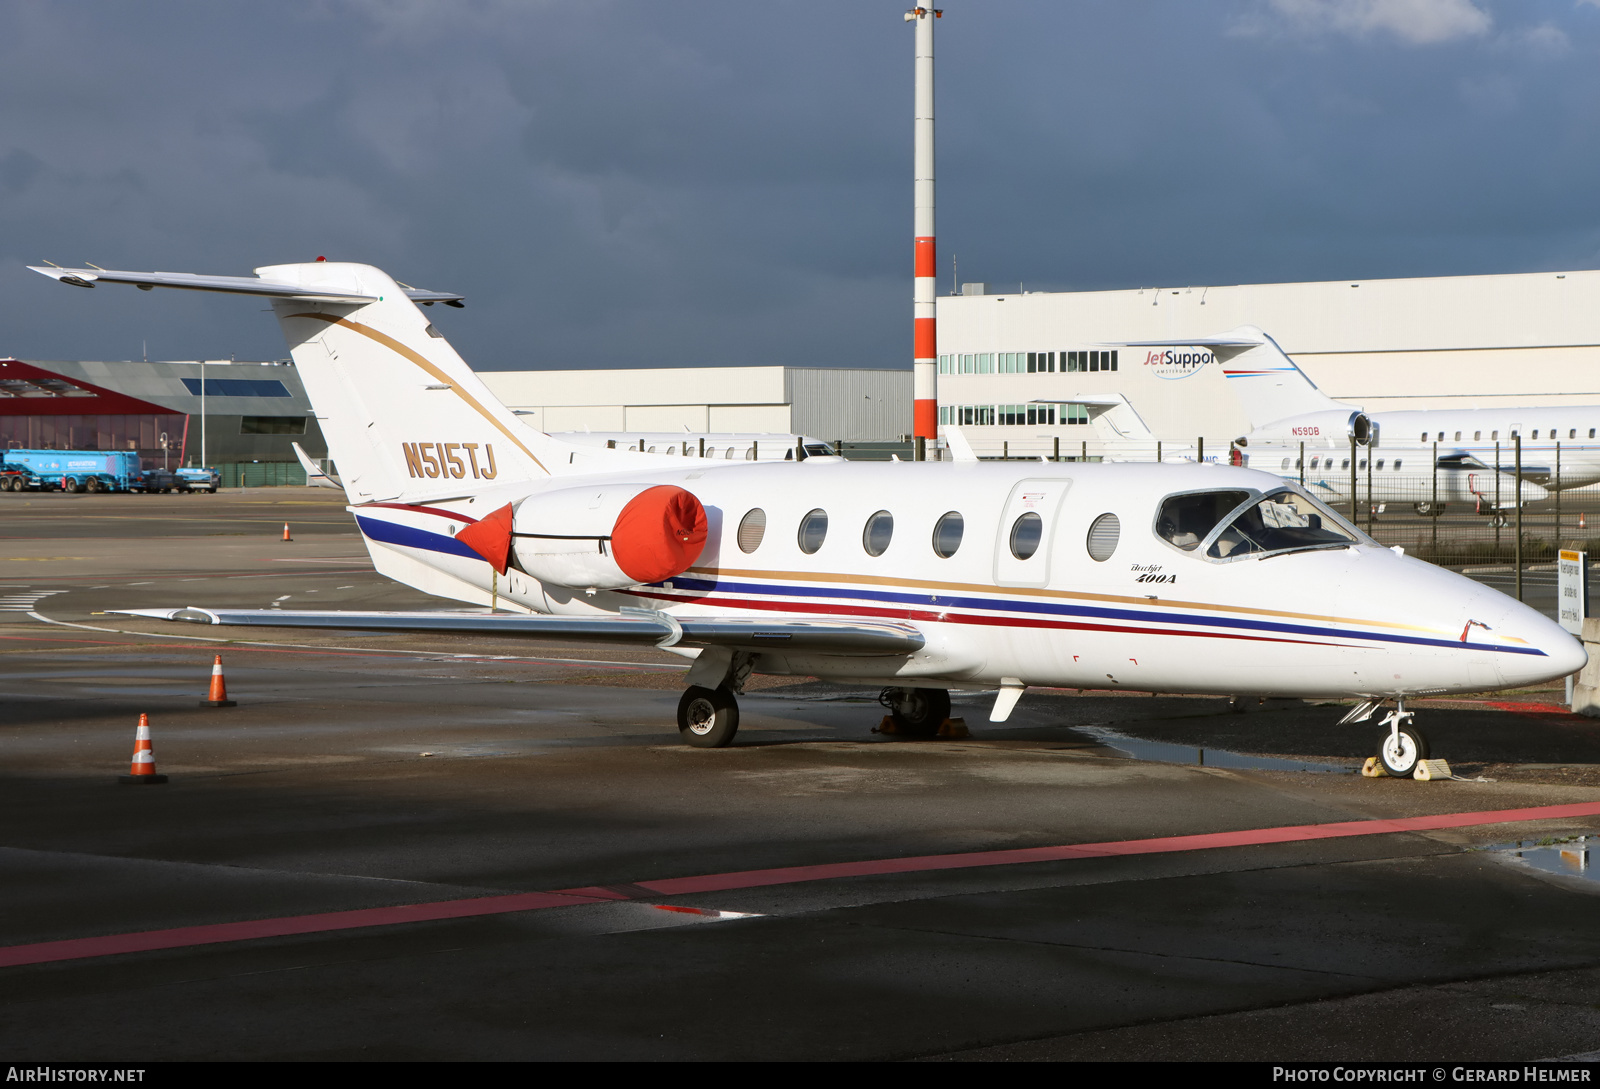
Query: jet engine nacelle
x,y
1323,429
608,536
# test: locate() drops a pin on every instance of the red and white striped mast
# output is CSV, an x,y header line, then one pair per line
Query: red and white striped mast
x,y
924,337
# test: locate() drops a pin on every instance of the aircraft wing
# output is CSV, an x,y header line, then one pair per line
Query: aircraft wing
x,y
638,627
235,285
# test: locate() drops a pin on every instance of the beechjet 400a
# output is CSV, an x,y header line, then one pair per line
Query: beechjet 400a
x,y
915,577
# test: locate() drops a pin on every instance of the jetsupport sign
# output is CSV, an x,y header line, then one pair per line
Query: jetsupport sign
x,y
1174,363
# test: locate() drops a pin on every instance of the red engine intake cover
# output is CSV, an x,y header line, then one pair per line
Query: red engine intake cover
x,y
659,533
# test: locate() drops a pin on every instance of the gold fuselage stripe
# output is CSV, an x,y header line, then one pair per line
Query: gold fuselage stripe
x,y
1069,595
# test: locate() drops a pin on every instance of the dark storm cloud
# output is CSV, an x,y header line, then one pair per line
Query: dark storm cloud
x,y
637,183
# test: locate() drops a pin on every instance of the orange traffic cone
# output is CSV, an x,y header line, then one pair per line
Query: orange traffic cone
x,y
142,772
219,688
286,532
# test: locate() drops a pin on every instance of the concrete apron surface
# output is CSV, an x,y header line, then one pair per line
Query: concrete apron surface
x,y
375,784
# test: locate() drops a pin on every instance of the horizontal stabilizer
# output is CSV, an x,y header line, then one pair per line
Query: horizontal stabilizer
x,y
233,285
315,477
636,627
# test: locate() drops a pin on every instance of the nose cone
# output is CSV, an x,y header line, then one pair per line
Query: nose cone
x,y
1534,648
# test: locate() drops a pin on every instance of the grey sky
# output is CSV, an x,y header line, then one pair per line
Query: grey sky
x,y
626,184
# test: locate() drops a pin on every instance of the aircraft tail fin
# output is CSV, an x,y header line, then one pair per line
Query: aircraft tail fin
x,y
403,414
1114,419
1268,384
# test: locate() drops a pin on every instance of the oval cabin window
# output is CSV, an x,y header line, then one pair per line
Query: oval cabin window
x,y
813,531
752,527
1103,537
947,535
880,528
1026,532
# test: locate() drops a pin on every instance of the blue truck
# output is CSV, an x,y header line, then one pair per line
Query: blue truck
x,y
96,471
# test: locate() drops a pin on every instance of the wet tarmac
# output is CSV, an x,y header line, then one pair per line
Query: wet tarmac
x,y
486,849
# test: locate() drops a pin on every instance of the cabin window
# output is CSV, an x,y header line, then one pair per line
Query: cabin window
x,y
729,455
1494,435
1441,436
1477,436
1026,533
1536,432
1591,432
1362,467
1103,537
1185,520
1345,464
1458,436
1397,465
813,531
875,537
752,527
1424,436
1285,464
1314,463
947,535
1380,465
1573,433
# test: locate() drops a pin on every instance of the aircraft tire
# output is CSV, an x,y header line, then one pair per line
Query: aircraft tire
x,y
708,717
1429,509
1413,747
917,712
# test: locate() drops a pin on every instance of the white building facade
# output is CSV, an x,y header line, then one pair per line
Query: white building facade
x,y
1444,342
831,403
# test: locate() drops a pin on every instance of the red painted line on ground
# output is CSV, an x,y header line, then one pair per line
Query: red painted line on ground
x,y
785,875
183,937
214,933
1530,708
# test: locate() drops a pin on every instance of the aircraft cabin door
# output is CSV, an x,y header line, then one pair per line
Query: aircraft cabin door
x,y
1027,525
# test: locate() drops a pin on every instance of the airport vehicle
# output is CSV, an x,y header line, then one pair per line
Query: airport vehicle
x,y
79,470
914,576
198,478
1286,407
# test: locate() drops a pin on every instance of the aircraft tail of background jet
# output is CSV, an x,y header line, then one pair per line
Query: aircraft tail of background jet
x,y
1268,384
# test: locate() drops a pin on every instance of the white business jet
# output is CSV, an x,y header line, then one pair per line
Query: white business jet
x,y
1285,407
1398,475
914,577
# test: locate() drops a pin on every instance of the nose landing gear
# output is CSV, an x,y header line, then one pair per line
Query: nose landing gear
x,y
1402,746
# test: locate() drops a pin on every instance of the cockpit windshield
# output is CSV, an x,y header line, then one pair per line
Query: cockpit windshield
x,y
1226,525
1186,520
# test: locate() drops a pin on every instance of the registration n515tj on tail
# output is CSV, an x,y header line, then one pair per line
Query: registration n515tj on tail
x,y
913,576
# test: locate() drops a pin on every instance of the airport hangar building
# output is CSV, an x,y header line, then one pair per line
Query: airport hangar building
x,y
1445,342
245,415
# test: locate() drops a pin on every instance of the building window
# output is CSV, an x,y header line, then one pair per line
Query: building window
x,y
237,387
271,425
944,364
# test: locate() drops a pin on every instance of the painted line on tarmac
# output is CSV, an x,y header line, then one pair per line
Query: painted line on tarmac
x,y
218,933
350,652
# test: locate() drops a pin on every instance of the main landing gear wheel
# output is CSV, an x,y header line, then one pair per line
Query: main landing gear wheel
x,y
917,712
1402,745
708,717
1499,521
1429,509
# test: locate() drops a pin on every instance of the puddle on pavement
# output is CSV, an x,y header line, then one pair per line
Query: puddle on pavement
x,y
1166,752
1573,856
